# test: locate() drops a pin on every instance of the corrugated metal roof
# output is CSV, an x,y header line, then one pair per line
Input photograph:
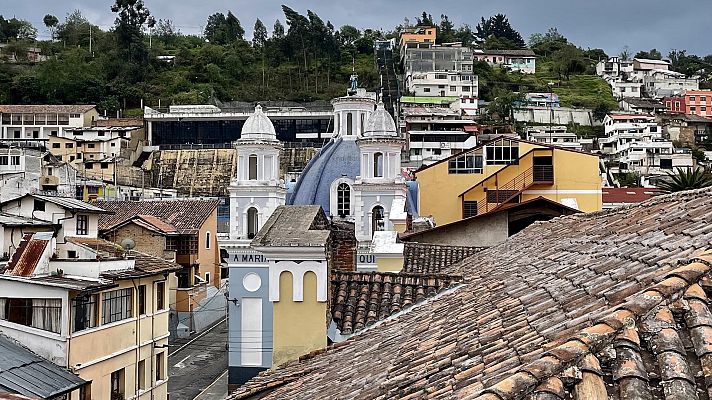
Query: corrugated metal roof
x,y
72,204
28,254
144,265
16,220
23,372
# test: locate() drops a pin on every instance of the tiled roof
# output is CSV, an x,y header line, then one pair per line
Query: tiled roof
x,y
360,299
628,195
532,303
103,248
145,265
59,109
423,258
186,215
294,226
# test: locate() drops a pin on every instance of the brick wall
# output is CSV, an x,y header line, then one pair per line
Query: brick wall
x,y
343,248
146,241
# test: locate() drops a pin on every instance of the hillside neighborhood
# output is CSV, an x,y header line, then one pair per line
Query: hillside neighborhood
x,y
430,212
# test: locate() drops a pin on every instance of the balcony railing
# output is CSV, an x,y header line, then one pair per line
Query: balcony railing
x,y
543,173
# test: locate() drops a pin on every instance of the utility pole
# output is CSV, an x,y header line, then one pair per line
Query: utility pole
x,y
90,40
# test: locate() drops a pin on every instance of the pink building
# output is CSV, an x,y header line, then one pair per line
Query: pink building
x,y
698,102
675,104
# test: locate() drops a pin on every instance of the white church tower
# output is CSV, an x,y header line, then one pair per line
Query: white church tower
x,y
380,190
257,190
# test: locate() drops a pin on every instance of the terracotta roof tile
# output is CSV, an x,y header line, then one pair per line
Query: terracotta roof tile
x,y
532,309
186,215
423,258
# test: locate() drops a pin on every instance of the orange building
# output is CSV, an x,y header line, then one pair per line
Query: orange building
x,y
698,102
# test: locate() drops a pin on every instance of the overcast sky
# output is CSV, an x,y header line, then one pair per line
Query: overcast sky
x,y
608,24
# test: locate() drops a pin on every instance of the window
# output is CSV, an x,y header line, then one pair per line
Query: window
x,y
160,374
666,163
28,119
90,166
453,78
117,385
349,124
45,314
502,152
39,205
703,98
160,295
3,160
56,145
142,374
465,88
377,219
693,109
378,165
440,76
62,119
82,224
84,312
343,199
117,305
207,240
91,145
426,90
469,209
363,123
252,167
14,160
69,145
104,165
469,163
71,254
692,98
252,220
75,116
142,300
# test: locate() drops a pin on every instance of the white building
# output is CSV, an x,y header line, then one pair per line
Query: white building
x,y
555,135
631,123
518,60
36,123
443,83
661,83
432,137
614,67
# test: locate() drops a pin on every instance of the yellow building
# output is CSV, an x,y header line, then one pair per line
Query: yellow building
x,y
90,307
420,34
507,170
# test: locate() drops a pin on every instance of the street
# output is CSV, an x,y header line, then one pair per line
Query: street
x,y
194,367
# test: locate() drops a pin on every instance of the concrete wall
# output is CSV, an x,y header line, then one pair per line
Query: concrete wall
x,y
485,231
561,116
206,311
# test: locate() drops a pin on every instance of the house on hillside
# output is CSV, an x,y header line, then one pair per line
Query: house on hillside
x,y
518,60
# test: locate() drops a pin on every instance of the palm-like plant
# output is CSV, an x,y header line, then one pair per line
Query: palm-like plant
x,y
687,179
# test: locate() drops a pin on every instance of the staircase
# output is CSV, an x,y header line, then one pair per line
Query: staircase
x,y
507,192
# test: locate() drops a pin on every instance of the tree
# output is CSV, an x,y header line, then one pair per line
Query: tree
x,y
278,30
446,30
131,16
629,179
222,30
16,29
348,35
547,43
686,64
166,31
569,61
51,23
75,30
625,54
425,20
653,54
259,35
498,26
503,104
233,28
686,179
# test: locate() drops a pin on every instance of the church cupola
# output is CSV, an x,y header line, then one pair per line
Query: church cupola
x,y
380,147
256,189
352,111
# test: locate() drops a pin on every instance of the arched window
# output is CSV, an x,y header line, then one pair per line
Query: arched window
x,y
343,200
252,222
349,124
377,220
252,161
378,165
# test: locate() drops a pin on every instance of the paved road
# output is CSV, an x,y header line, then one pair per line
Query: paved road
x,y
216,391
197,365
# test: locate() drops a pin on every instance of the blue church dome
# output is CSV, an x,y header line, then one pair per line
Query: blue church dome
x,y
339,158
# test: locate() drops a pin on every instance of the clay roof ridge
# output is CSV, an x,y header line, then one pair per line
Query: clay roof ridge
x,y
592,339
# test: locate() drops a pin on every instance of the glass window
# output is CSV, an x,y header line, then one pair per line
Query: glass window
x,y
207,240
82,224
84,311
160,295
63,119
142,300
28,119
117,305
4,160
469,209
343,199
14,160
502,152
45,314
142,374
39,205
467,163
160,374
377,219
40,119
378,165
349,124
52,119
16,119
252,161
252,222
117,385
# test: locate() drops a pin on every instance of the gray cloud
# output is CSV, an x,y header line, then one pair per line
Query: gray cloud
x,y
608,24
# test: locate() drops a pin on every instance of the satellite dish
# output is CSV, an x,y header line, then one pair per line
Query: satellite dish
x,y
128,244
